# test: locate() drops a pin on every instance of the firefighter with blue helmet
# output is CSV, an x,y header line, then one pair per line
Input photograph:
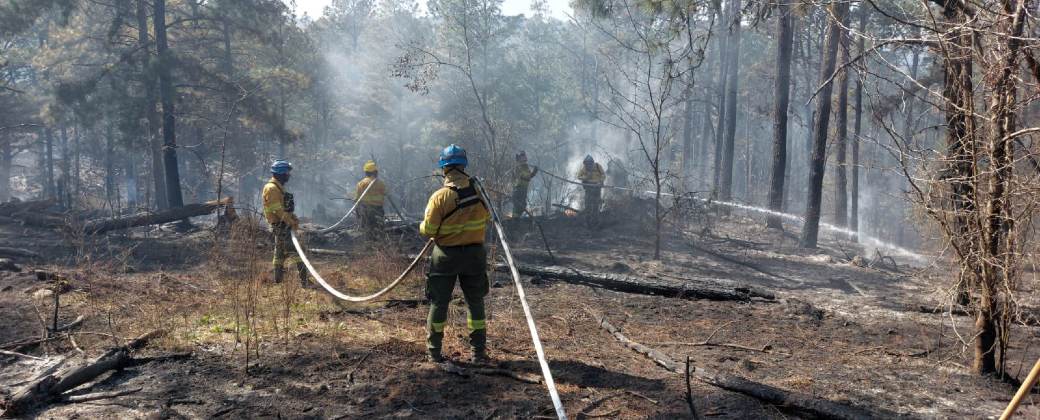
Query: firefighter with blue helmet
x,y
279,206
456,219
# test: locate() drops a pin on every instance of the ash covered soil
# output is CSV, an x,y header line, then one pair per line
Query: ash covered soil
x,y
236,346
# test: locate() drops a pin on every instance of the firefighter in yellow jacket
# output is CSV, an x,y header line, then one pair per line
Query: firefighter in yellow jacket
x,y
278,210
591,176
370,210
522,176
456,218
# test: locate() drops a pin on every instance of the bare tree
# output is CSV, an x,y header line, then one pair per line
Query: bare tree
x,y
810,231
661,51
782,93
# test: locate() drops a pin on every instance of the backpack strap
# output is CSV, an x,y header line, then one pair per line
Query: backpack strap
x,y
466,197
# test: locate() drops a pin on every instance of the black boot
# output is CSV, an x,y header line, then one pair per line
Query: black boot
x,y
279,273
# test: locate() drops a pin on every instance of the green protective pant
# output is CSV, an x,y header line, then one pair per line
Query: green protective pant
x,y
593,200
284,251
519,200
372,221
468,265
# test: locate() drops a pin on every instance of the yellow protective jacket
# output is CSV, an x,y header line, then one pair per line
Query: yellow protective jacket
x,y
274,201
523,175
591,176
375,195
464,226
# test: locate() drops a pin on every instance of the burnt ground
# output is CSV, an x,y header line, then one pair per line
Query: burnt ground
x,y
835,331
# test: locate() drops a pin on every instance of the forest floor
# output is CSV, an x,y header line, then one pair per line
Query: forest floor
x,y
836,331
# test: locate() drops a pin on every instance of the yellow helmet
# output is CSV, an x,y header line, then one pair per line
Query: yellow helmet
x,y
370,166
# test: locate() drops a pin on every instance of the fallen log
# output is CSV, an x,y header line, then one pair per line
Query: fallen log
x,y
17,252
149,218
691,289
819,407
816,406
15,207
50,386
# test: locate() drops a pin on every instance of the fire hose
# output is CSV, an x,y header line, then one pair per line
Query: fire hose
x,y
352,208
348,298
546,373
497,222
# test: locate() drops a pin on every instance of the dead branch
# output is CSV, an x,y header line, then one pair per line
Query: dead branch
x,y
99,396
18,252
689,392
50,386
16,354
769,394
772,395
149,218
690,289
658,357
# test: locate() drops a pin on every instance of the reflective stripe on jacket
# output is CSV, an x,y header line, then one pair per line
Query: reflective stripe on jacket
x,y
274,201
375,195
591,176
465,226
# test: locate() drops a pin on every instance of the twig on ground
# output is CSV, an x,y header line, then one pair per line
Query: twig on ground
x,y
613,413
12,353
99,396
707,342
636,394
350,376
594,404
689,392
74,344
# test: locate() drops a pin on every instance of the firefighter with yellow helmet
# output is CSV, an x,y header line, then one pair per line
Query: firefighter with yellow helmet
x,y
592,176
370,210
456,218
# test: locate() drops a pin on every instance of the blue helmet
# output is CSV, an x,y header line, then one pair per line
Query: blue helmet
x,y
281,167
453,155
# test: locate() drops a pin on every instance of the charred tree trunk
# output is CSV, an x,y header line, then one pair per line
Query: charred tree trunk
x,y
841,181
732,84
48,161
782,92
687,155
166,95
6,158
152,123
811,229
720,93
1000,246
857,127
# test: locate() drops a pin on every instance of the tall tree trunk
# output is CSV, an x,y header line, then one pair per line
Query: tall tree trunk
x,y
6,157
150,101
110,176
1001,249
781,93
49,161
686,165
66,163
811,229
720,94
732,84
841,181
858,125
166,94
77,170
